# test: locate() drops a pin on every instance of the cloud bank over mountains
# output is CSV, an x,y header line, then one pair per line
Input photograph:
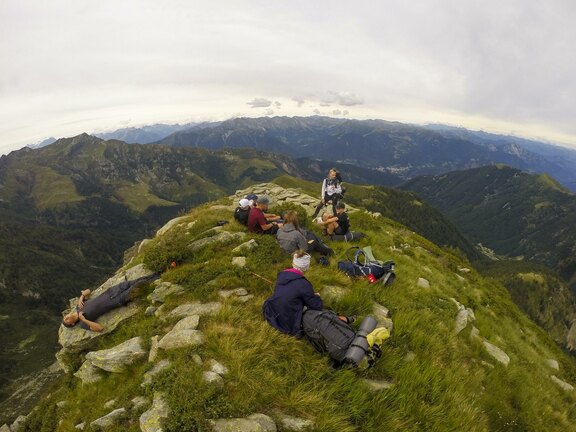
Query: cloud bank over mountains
x,y
70,67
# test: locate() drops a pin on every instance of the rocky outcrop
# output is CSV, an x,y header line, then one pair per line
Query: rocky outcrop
x,y
245,247
213,378
109,419
196,308
151,420
118,358
88,373
165,289
171,224
181,338
158,367
295,424
220,237
253,423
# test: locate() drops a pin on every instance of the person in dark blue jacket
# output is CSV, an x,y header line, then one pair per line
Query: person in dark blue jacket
x,y
284,309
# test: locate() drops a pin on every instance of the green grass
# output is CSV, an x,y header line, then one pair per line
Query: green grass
x,y
442,381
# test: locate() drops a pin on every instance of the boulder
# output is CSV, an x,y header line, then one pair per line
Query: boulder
x,y
139,402
151,420
188,323
158,367
212,378
244,299
233,292
245,247
197,308
116,359
423,283
153,348
380,311
254,423
150,310
122,275
80,426
553,364
376,385
88,373
110,403
109,419
464,316
217,367
143,244
17,425
170,224
5,428
164,290
181,338
239,261
562,384
497,353
220,237
290,423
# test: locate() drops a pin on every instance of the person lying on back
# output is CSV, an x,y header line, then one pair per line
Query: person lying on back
x,y
88,310
257,221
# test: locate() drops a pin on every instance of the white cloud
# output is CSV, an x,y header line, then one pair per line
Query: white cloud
x,y
70,67
259,103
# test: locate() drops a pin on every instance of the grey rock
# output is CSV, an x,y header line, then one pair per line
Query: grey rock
x,y
170,224
188,323
217,367
153,348
109,419
238,425
17,425
139,402
158,367
553,364
239,261
62,404
80,426
332,293
199,309
423,283
197,359
562,384
380,311
244,299
212,378
181,338
150,310
460,278
245,247
464,317
294,423
110,403
474,333
233,292
88,373
143,244
116,359
488,365
220,237
5,428
376,385
463,270
497,353
164,290
151,420
266,422
122,275
571,337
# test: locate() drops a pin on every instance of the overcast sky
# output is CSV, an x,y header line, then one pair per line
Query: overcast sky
x,y
74,66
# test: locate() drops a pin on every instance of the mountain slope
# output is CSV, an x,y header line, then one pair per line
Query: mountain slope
x,y
432,378
390,147
514,213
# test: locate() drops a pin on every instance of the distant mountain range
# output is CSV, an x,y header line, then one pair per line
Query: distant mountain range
x,y
144,134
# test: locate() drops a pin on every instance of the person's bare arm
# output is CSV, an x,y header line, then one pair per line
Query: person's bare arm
x,y
83,296
94,326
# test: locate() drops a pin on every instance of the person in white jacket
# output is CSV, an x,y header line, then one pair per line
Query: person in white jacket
x,y
331,191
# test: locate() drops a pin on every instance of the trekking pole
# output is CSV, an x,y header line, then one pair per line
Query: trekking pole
x,y
263,278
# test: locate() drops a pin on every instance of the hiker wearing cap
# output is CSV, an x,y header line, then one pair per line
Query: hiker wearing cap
x,y
332,191
291,237
284,309
261,223
339,223
242,212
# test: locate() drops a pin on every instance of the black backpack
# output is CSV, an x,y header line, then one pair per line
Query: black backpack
x,y
327,333
241,215
360,265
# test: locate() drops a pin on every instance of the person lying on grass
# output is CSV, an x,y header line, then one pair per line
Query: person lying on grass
x,y
292,293
88,310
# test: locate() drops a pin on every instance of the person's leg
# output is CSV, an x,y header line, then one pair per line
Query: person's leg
x,y
317,210
335,199
331,227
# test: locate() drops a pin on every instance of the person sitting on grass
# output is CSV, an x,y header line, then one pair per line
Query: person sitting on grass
x,y
242,212
293,294
261,223
88,310
291,237
338,224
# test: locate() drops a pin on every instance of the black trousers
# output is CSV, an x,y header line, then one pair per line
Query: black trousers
x,y
327,198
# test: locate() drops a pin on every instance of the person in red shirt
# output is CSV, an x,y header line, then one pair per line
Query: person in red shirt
x,y
257,221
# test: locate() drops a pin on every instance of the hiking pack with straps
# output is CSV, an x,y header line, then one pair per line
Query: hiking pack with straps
x,y
328,334
361,263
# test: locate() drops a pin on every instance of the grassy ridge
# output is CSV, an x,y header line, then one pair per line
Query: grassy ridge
x,y
442,381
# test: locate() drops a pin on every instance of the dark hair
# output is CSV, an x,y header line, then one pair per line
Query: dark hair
x,y
340,205
68,325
